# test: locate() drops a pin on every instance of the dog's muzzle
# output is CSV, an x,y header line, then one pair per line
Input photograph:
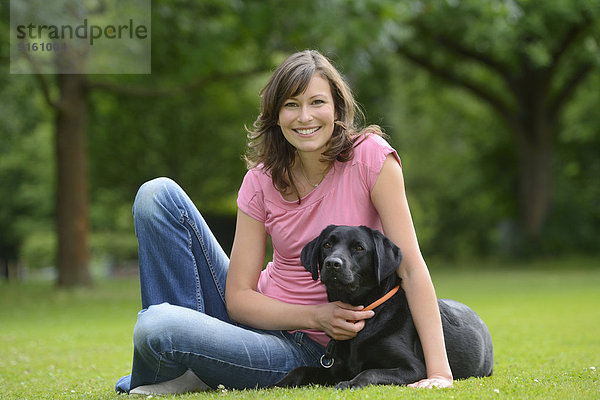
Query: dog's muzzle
x,y
335,272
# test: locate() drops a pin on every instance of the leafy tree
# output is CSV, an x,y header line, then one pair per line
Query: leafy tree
x,y
524,59
187,49
26,182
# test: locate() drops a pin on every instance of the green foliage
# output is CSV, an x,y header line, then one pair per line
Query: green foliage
x,y
26,160
521,60
209,60
39,249
197,137
451,148
76,344
575,219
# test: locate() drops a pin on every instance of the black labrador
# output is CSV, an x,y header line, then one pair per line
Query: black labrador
x,y
358,266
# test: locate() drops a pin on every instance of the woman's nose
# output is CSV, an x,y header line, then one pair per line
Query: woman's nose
x,y
305,114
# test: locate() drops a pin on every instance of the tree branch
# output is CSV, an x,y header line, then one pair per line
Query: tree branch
x,y
42,81
138,91
484,59
457,48
574,33
447,74
569,87
46,91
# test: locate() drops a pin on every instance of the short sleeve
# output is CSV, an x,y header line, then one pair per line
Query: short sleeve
x,y
371,153
251,197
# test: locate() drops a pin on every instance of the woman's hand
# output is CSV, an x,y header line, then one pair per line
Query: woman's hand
x,y
341,321
434,381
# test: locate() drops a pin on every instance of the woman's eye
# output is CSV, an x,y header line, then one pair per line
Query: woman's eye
x,y
290,104
318,102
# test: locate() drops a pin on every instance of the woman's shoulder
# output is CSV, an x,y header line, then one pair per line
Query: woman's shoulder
x,y
258,172
255,178
258,180
371,146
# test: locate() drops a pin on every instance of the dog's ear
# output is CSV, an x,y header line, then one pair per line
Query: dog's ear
x,y
387,256
310,253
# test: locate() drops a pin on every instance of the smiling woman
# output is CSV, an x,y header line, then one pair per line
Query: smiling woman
x,y
306,92
309,166
307,119
307,122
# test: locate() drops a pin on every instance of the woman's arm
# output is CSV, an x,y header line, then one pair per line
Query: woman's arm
x,y
389,199
246,305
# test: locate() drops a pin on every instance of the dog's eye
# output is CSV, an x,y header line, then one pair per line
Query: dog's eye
x,y
326,245
359,247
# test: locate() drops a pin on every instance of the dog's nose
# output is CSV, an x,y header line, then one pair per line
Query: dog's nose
x,y
333,262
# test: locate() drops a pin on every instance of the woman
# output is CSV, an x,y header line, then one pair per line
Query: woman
x,y
209,321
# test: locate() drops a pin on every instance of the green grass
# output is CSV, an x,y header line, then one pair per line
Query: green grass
x,y
545,323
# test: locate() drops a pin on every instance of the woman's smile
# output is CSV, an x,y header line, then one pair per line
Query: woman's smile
x,y
307,131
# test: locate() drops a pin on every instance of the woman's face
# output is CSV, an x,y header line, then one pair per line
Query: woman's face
x,y
307,120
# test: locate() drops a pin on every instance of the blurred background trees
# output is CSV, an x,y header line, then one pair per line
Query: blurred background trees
x,y
491,106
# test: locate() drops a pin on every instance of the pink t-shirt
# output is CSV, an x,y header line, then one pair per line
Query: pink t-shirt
x,y
342,198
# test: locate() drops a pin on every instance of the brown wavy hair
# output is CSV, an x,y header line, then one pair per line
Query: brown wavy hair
x,y
266,144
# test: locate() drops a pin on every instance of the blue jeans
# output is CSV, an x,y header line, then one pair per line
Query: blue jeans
x,y
184,323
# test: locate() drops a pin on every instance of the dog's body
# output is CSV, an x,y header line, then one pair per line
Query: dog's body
x,y
358,266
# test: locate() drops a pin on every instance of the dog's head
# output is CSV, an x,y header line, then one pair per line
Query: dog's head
x,y
351,260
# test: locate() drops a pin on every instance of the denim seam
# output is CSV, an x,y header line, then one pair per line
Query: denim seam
x,y
207,258
183,353
301,339
313,353
182,220
157,373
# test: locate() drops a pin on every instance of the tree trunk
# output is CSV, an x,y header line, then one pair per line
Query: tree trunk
x,y
72,219
535,148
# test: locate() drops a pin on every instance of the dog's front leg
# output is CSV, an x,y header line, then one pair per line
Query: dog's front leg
x,y
392,376
302,376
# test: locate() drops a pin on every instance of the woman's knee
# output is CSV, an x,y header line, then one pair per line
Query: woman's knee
x,y
151,194
165,328
153,328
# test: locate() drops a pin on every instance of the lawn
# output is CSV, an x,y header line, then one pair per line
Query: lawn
x,y
544,319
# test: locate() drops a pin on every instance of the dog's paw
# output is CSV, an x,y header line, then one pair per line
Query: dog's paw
x,y
292,379
343,385
349,385
302,376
